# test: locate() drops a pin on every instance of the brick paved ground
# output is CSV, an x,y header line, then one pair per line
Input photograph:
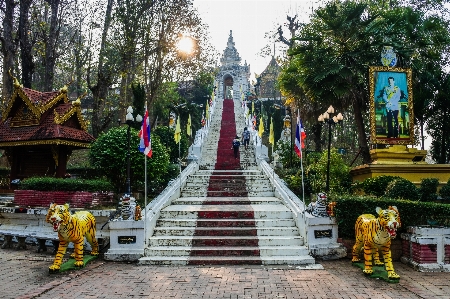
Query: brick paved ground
x,y
24,274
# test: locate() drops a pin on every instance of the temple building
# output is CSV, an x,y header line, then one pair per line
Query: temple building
x,y
232,78
39,131
266,83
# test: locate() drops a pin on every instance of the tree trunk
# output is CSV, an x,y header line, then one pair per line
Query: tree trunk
x,y
362,139
8,49
100,90
50,49
26,43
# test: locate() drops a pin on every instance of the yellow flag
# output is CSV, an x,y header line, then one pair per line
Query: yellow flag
x,y
188,127
177,135
261,127
271,134
253,107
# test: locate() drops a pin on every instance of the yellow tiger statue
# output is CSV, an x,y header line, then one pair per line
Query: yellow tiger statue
x,y
71,228
374,234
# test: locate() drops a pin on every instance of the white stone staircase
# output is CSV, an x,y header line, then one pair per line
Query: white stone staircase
x,y
226,216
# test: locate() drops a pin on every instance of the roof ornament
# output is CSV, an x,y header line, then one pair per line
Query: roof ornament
x,y
16,81
65,88
77,102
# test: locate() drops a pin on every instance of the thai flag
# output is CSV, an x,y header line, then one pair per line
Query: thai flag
x,y
145,144
300,137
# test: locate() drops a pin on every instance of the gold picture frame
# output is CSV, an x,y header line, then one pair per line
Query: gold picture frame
x,y
391,105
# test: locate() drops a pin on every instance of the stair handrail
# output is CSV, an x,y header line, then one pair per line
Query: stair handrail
x,y
286,194
164,199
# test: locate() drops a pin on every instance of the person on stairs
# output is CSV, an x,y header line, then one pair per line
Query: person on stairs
x,y
246,137
235,147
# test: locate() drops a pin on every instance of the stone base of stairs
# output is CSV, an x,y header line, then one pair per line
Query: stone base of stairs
x,y
230,260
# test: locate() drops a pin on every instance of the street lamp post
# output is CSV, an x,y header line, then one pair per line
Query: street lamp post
x,y
129,121
327,117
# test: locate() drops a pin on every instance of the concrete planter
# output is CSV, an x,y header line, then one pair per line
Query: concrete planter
x,y
427,249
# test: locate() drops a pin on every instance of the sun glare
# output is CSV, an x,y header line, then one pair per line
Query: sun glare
x,y
185,44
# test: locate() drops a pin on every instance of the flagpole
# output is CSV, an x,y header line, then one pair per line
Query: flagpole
x,y
303,183
145,200
145,191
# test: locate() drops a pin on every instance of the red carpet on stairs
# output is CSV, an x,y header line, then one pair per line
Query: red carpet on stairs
x,y
229,184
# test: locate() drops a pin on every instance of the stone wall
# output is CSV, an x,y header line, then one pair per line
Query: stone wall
x,y
76,199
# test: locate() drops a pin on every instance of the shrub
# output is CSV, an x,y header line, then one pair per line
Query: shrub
x,y
428,189
412,213
377,185
59,184
401,188
445,191
340,179
109,154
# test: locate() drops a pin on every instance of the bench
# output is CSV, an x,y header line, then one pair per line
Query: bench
x,y
21,223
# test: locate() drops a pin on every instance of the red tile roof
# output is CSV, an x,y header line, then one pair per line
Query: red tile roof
x,y
66,126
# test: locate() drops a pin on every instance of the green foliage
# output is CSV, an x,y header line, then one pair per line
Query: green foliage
x,y
59,184
85,172
109,154
412,213
428,189
377,185
401,188
166,136
4,178
316,171
288,157
445,191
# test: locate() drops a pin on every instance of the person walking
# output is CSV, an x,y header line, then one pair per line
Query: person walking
x,y
246,137
235,147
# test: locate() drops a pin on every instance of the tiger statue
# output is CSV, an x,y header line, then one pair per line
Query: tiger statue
x,y
375,234
71,228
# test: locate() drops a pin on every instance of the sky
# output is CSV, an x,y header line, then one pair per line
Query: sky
x,y
249,20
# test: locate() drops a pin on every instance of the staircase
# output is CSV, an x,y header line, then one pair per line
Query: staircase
x,y
227,213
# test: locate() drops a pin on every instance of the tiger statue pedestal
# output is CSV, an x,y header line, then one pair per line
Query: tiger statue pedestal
x,y
71,228
374,234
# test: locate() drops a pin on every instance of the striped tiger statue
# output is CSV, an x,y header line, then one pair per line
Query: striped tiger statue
x,y
374,234
71,228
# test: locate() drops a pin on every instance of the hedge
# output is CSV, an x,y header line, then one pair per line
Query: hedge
x,y
412,213
58,184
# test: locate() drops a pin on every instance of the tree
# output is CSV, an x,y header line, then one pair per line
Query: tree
x,y
166,135
330,61
8,47
109,154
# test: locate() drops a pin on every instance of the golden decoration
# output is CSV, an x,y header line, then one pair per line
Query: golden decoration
x,y
45,142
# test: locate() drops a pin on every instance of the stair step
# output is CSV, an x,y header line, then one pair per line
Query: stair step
x,y
226,250
219,222
230,260
225,231
228,241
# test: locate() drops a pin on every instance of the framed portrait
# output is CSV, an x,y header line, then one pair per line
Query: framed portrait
x,y
391,105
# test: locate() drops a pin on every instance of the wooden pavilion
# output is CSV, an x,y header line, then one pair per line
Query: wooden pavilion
x,y
39,131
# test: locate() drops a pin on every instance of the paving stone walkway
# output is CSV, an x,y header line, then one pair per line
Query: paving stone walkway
x,y
24,274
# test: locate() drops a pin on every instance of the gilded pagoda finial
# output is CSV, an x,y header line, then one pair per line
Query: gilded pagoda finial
x,y
16,81
65,88
77,102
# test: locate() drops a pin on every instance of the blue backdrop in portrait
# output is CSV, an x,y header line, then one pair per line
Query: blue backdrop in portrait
x,y
391,104
381,80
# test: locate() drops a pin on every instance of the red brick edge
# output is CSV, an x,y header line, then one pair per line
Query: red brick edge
x,y
76,199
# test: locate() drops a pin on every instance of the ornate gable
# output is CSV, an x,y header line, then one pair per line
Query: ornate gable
x,y
70,111
27,106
